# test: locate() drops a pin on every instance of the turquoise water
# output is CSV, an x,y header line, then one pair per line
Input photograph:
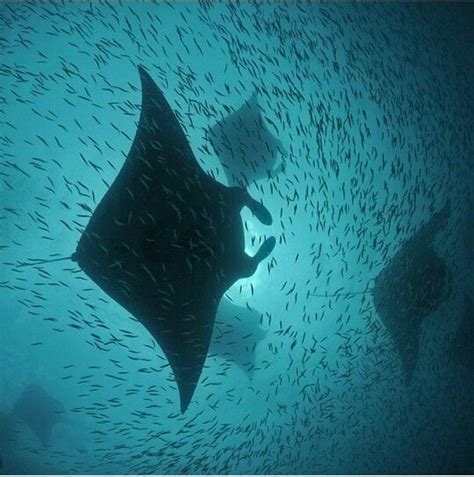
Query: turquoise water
x,y
373,104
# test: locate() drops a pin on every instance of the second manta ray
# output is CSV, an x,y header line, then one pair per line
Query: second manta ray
x,y
40,411
245,147
412,286
167,240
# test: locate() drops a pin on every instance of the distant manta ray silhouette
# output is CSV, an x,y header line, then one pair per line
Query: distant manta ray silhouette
x,y
245,147
409,288
167,240
40,411
237,333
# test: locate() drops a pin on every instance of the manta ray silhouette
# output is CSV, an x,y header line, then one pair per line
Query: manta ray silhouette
x,y
167,240
237,333
39,411
411,287
245,147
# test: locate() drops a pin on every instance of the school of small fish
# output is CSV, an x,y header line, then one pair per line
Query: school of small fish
x,y
373,104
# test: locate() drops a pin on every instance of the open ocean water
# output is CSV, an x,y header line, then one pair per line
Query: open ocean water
x,y
373,108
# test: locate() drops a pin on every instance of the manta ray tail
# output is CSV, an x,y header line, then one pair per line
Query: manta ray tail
x,y
37,261
338,293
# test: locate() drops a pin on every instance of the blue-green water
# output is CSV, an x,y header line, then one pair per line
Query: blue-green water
x,y
373,104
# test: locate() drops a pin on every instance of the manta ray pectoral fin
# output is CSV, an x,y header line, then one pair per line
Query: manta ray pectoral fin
x,y
186,391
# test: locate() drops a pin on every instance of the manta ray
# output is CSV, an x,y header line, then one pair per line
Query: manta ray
x,y
462,347
411,287
39,411
236,335
245,147
166,241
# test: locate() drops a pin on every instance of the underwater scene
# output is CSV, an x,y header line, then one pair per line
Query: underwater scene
x,y
236,238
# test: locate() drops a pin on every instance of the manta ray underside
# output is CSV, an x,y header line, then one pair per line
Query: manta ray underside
x,y
411,287
166,241
39,411
245,147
